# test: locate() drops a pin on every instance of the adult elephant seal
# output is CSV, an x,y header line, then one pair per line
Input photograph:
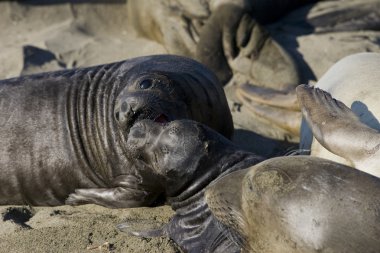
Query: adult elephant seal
x,y
226,35
299,204
346,134
63,134
186,156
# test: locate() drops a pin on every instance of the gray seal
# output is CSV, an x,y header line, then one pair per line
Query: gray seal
x,y
186,156
299,204
63,134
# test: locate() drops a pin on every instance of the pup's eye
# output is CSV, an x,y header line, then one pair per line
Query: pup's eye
x,y
146,84
165,150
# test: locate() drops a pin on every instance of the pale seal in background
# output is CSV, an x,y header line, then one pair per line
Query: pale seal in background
x,y
346,128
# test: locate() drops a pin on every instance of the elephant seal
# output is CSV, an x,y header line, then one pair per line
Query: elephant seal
x,y
185,156
299,204
338,129
353,26
352,129
228,36
63,135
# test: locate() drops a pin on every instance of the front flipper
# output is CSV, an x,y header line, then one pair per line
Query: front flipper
x,y
287,120
336,127
207,237
118,197
270,97
126,191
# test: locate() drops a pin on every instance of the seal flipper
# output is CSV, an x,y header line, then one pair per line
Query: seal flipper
x,y
118,197
265,96
334,125
126,191
288,120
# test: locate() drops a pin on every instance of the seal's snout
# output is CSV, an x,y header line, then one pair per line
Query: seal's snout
x,y
142,135
125,114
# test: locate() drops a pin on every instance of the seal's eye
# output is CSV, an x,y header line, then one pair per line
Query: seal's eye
x,y
146,84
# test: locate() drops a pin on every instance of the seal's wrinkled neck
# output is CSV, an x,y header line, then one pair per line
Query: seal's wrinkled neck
x,y
194,227
91,121
221,161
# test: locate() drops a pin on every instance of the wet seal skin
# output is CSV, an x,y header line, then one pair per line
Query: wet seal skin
x,y
299,204
63,135
186,156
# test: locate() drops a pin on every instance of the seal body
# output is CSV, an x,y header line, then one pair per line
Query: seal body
x,y
188,156
299,204
65,132
354,82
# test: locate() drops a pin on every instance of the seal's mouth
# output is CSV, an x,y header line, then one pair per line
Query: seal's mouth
x,y
158,118
162,118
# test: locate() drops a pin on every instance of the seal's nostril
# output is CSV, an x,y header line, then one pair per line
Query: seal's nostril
x,y
124,107
117,116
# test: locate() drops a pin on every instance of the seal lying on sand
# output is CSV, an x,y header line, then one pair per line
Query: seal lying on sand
x,y
299,204
306,34
185,157
338,129
354,81
65,132
226,36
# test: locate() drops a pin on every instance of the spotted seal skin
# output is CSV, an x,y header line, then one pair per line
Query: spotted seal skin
x,y
63,135
299,204
187,156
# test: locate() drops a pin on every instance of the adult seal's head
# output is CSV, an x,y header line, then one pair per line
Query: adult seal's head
x,y
167,88
299,204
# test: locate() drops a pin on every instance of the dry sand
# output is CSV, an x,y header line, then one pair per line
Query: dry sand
x,y
87,228
71,36
88,34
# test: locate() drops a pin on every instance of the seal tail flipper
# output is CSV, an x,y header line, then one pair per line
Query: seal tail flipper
x,y
143,228
265,96
287,120
334,125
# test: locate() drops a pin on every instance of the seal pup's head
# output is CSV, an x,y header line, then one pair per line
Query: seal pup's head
x,y
164,88
186,156
181,151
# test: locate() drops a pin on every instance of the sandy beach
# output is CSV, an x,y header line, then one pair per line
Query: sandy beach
x,y
44,37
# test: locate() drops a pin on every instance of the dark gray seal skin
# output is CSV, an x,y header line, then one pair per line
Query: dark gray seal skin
x,y
63,135
299,204
187,156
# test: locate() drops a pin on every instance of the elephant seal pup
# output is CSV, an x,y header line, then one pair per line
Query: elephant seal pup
x,y
65,133
354,80
299,204
185,157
